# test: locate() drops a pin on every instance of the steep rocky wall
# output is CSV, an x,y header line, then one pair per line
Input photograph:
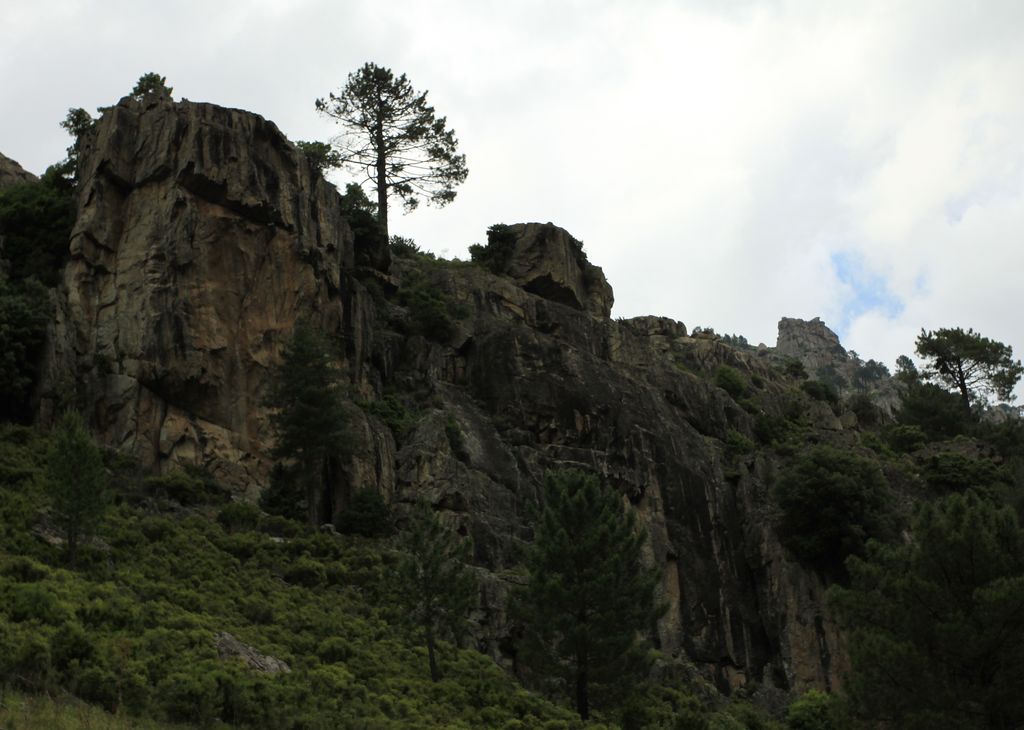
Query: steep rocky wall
x,y
535,383
202,235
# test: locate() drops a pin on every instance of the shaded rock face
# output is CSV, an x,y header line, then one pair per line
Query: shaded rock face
x,y
11,173
535,384
202,235
549,262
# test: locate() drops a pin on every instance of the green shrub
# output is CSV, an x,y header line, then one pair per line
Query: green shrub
x,y
814,711
832,501
239,516
70,644
367,514
731,381
497,254
187,487
819,390
861,405
952,472
736,444
281,526
305,572
32,667
396,414
403,247
36,602
456,441
769,429
905,439
794,369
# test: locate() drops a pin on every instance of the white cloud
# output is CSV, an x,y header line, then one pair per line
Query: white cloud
x,y
714,157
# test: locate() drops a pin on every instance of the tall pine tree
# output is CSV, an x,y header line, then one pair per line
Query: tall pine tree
x,y
307,415
76,481
590,599
437,588
936,625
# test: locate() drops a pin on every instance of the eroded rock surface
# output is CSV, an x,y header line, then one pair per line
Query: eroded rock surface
x,y
202,235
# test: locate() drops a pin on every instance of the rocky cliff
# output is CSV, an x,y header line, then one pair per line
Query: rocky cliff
x,y
203,234
11,173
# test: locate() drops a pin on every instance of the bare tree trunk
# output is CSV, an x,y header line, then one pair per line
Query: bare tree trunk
x,y
382,176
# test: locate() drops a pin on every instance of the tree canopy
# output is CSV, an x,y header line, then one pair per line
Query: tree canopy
x,y
590,597
970,364
151,84
392,136
832,501
936,626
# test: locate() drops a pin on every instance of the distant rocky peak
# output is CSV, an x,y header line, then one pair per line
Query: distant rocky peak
x,y
810,342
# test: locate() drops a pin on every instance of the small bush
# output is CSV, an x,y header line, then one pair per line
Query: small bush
x,y
188,487
497,254
306,572
731,381
820,391
905,439
239,516
367,514
456,441
770,429
736,444
814,711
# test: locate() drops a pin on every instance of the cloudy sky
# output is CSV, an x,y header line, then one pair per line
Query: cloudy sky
x,y
727,163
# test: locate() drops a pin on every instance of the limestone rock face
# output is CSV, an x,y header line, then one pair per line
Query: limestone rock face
x,y
11,173
202,235
547,261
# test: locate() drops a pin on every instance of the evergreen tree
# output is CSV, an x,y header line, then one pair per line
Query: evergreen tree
x,y
307,415
589,598
970,364
936,625
391,134
437,589
76,481
151,84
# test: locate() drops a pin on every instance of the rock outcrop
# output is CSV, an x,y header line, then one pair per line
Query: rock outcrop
x,y
549,262
810,342
819,350
11,173
202,235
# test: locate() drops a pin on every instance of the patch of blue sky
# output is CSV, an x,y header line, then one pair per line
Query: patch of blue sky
x,y
866,290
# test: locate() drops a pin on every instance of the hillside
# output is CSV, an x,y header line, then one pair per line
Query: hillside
x,y
201,238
